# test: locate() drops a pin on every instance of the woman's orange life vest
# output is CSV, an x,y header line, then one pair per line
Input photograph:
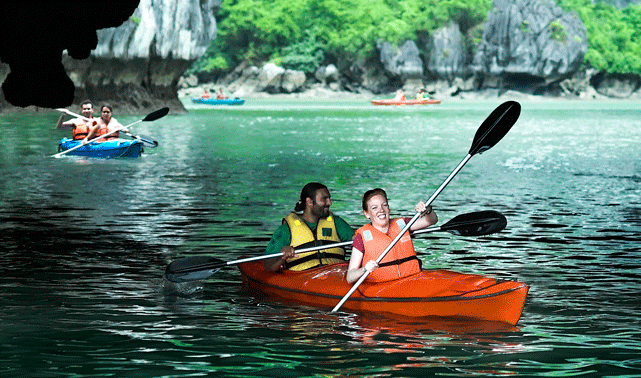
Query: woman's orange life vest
x,y
400,261
102,130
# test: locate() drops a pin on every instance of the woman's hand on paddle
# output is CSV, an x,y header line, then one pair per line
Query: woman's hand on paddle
x,y
428,217
371,265
421,208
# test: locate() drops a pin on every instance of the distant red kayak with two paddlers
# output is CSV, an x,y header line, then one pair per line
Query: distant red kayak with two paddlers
x,y
405,102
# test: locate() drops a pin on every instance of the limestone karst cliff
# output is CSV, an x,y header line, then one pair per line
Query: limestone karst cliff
x,y
137,65
130,54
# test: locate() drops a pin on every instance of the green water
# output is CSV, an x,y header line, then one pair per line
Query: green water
x,y
84,242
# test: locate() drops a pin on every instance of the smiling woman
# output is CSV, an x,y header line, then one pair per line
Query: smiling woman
x,y
372,239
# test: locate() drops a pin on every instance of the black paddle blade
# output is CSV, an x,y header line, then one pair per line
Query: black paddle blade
x,y
495,126
157,114
148,141
193,268
476,224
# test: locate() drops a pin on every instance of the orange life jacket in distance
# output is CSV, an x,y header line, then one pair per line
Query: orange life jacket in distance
x,y
80,131
400,261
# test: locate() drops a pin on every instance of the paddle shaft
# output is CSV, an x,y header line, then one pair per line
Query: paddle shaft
x,y
403,231
196,268
150,142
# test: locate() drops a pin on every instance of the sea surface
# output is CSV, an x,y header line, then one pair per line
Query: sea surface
x,y
84,242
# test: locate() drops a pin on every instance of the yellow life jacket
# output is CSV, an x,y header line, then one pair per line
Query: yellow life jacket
x,y
400,261
303,237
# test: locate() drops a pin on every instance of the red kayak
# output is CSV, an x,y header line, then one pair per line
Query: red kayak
x,y
428,293
405,102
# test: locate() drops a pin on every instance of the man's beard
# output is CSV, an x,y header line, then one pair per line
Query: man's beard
x,y
320,210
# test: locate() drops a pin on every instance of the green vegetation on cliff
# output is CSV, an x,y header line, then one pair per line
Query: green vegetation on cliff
x,y
614,35
304,34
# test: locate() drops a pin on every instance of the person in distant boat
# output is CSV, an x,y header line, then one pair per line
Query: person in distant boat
x,y
373,238
422,95
206,94
400,95
316,225
80,127
221,95
106,124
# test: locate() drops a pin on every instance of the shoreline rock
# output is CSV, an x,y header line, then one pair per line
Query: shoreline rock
x,y
245,82
320,92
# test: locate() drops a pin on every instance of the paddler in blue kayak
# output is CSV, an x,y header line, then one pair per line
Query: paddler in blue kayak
x,y
80,127
106,124
316,225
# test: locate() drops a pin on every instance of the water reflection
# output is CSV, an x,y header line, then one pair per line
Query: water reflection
x,y
374,341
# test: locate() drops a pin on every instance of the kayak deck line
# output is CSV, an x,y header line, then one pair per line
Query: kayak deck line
x,y
365,298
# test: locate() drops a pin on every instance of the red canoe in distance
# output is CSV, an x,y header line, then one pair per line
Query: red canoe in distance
x,y
405,102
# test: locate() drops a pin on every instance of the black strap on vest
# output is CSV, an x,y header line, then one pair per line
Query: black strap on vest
x,y
314,256
399,262
317,255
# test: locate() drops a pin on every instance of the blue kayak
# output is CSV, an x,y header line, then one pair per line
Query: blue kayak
x,y
110,149
215,101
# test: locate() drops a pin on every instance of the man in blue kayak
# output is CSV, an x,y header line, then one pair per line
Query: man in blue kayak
x,y
315,226
80,125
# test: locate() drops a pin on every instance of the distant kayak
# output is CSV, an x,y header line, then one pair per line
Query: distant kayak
x,y
405,102
110,149
215,101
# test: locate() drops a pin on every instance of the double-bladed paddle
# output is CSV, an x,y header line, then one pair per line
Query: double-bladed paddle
x,y
491,131
146,140
196,268
150,117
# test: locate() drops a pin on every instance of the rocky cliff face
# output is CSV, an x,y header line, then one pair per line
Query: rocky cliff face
x,y
529,42
527,45
137,65
447,58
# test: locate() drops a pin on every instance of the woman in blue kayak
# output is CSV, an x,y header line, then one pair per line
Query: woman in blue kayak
x,y
106,125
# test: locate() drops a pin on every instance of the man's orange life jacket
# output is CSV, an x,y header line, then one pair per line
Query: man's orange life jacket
x,y
80,131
